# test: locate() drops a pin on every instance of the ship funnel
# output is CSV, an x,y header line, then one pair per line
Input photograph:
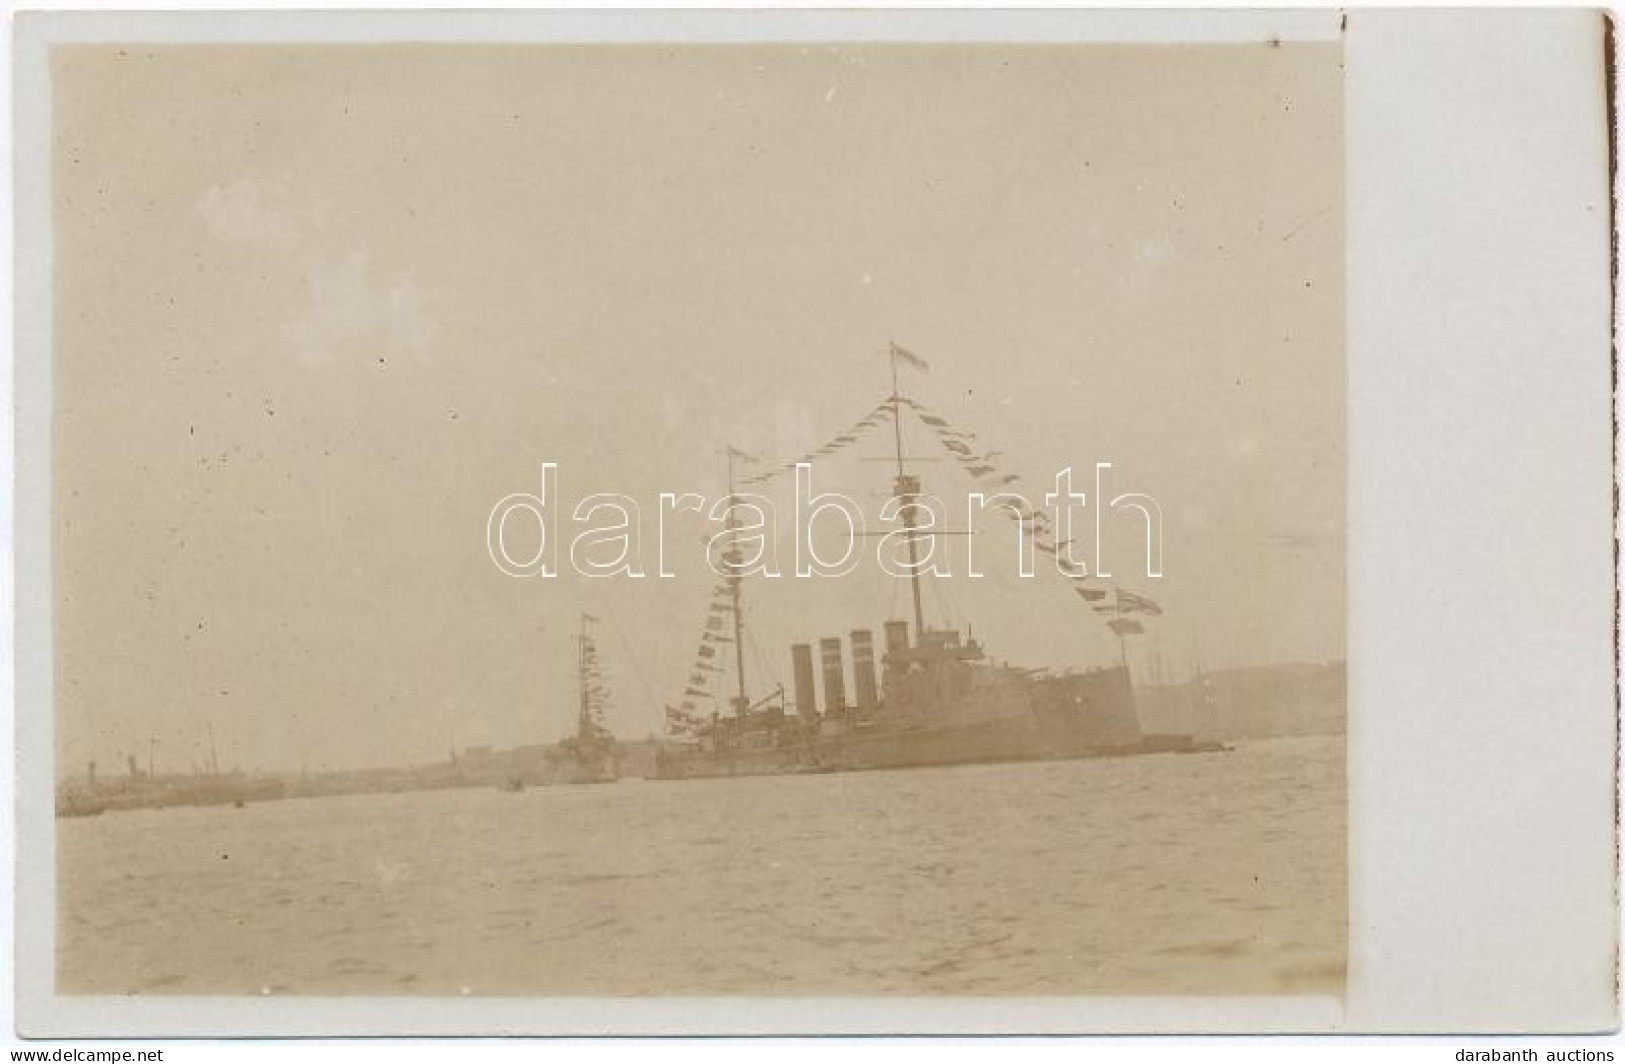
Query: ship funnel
x,y
863,668
801,664
834,678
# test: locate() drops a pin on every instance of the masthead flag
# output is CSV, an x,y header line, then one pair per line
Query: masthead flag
x,y
908,358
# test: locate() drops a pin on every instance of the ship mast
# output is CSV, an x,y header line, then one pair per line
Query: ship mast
x,y
907,489
733,558
585,677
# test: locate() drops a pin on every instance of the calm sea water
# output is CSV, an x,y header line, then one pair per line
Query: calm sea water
x,y
1211,873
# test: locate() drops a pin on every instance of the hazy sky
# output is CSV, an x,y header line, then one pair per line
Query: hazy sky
x,y
318,308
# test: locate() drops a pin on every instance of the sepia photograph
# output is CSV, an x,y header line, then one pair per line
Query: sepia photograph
x,y
657,517
595,520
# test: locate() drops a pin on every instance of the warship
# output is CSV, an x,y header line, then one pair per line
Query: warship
x,y
932,695
592,754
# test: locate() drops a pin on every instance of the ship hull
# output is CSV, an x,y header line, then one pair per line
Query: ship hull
x,y
987,744
1061,719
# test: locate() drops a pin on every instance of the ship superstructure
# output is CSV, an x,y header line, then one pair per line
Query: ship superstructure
x,y
926,695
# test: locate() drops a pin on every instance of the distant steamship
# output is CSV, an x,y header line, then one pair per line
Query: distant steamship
x,y
591,755
933,697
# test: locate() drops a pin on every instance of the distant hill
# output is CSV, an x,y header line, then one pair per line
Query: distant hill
x,y
1251,703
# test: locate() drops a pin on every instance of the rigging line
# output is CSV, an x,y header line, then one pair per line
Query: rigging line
x,y
1025,528
637,672
760,622
946,605
762,663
